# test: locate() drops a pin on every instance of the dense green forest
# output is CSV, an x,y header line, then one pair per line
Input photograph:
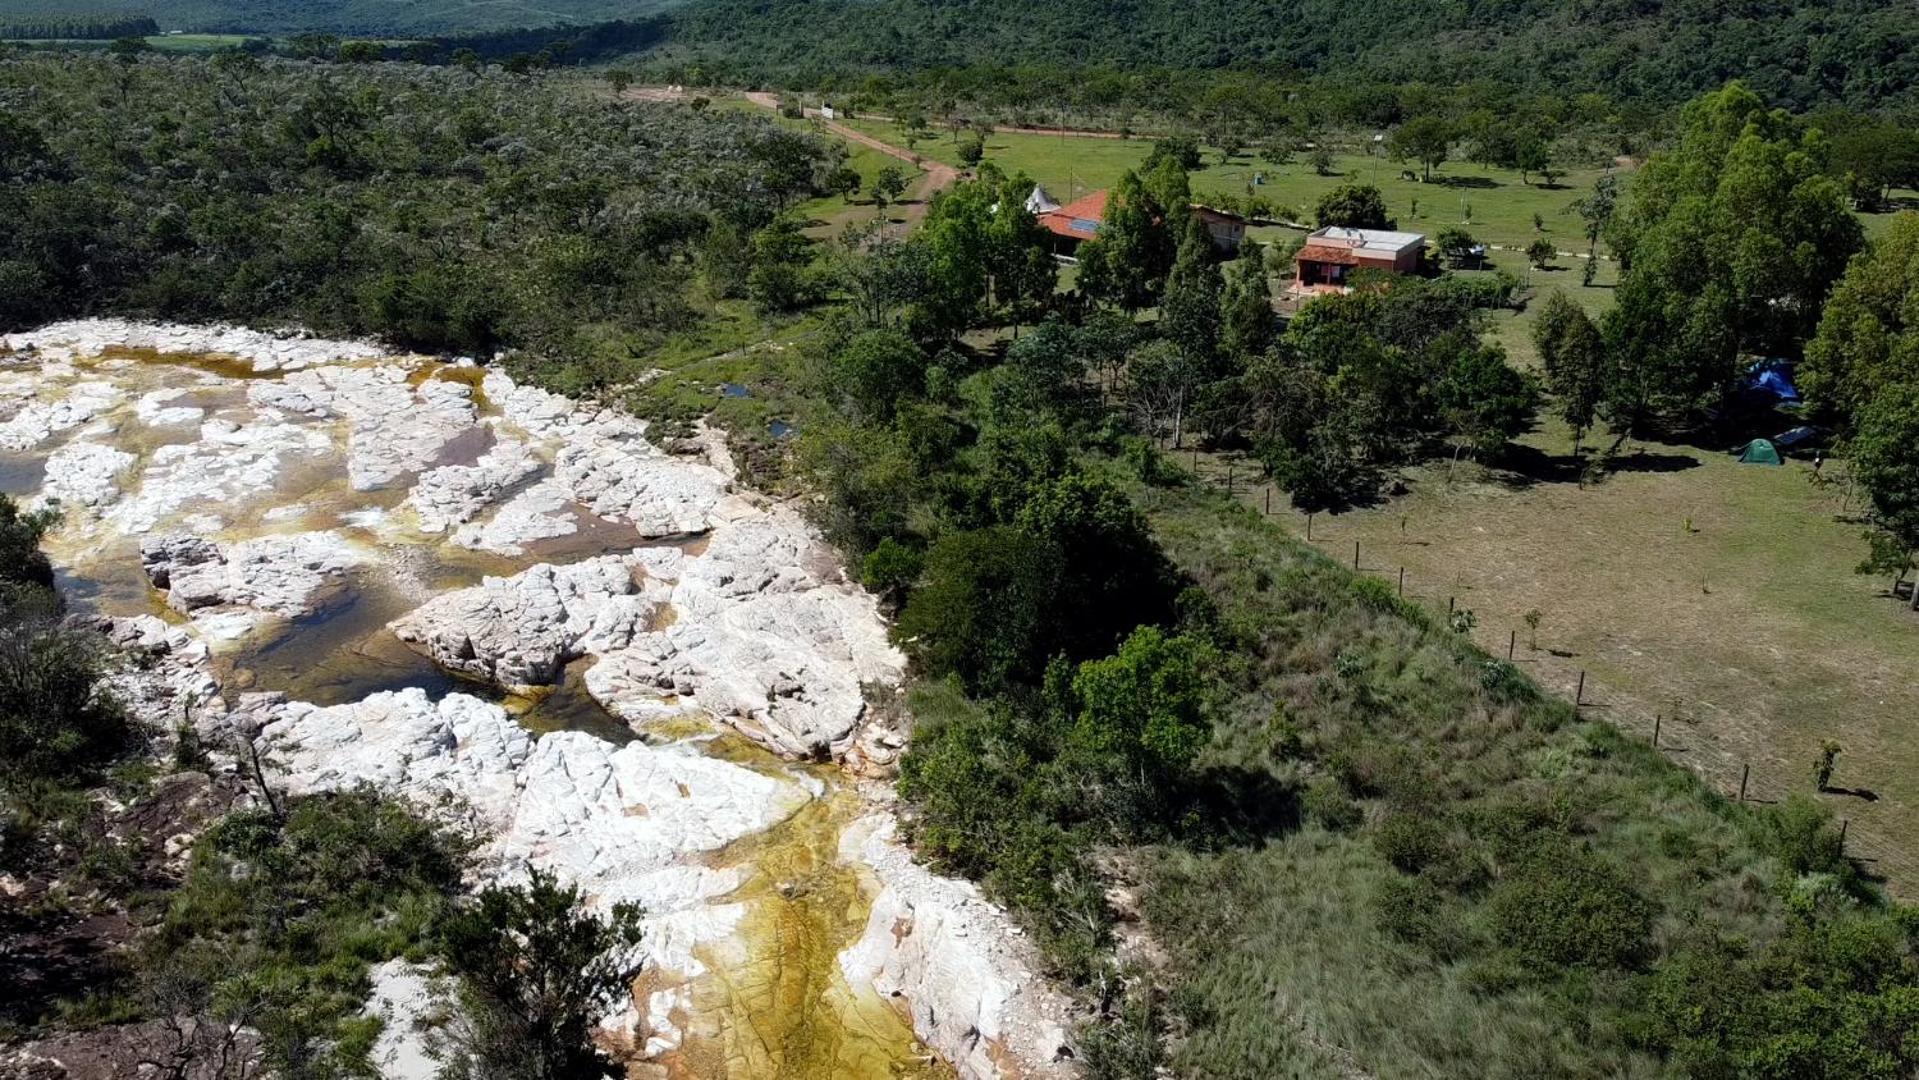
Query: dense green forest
x,y
439,208
77,26
1797,53
1801,53
372,18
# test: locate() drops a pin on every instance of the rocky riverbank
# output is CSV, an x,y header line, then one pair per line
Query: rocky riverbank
x,y
394,570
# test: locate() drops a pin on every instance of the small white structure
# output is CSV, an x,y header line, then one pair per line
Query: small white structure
x,y
1040,202
826,111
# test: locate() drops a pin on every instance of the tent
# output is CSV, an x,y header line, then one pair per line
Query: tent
x,y
1773,377
1786,440
1040,202
1760,452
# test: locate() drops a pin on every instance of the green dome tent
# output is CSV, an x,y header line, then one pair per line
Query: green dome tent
x,y
1760,452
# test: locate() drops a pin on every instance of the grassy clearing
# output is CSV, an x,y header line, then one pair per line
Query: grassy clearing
x,y
1493,204
1687,584
1311,954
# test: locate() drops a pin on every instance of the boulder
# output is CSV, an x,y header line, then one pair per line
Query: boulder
x,y
455,494
84,474
286,575
517,632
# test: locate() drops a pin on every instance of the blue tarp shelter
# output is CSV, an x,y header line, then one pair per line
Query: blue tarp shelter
x,y
1773,377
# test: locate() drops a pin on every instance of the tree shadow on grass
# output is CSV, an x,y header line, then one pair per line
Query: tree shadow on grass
x,y
1476,182
1233,804
1522,466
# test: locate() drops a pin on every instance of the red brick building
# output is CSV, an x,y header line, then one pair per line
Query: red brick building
x,y
1333,253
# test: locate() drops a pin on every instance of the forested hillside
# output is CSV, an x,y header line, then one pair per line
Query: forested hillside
x,y
378,18
1798,52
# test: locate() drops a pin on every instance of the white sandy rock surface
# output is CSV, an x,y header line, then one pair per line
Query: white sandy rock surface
x,y
330,471
957,961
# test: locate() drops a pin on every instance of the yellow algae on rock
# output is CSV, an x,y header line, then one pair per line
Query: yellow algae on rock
x,y
774,1003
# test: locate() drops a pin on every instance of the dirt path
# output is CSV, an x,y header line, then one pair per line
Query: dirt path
x,y
937,176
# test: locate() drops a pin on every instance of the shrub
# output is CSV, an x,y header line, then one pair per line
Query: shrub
x,y
1415,911
536,970
1564,905
1327,803
1409,841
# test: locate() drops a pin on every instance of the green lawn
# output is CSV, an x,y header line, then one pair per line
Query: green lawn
x,y
1686,583
1493,204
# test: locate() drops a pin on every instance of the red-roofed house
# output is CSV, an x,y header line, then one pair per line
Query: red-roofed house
x,y
1078,221
1075,223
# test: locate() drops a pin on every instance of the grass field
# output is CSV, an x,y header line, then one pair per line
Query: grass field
x,y
1493,204
1687,585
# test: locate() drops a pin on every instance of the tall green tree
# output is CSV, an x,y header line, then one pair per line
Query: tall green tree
x,y
1145,711
1126,263
1884,455
1730,242
1869,333
1354,206
1189,314
1573,354
1246,318
1425,139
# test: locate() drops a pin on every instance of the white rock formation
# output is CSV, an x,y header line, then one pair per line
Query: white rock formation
x,y
230,465
285,575
395,429
455,494
544,511
518,632
56,411
958,963
84,474
661,496
246,490
265,352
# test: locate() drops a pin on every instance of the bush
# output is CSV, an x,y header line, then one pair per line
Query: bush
x,y
1415,911
537,970
1564,905
1327,803
1409,841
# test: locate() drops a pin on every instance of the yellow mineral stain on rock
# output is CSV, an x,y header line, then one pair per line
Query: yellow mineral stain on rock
x,y
774,1003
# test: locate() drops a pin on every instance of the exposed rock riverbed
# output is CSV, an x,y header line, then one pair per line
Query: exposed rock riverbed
x,y
611,661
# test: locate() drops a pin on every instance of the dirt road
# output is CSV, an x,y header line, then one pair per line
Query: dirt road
x,y
937,177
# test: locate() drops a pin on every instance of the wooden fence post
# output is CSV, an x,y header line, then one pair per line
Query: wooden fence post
x,y
1744,775
1355,554
1843,822
1309,525
1512,640
1579,695
1269,501
1655,731
1402,581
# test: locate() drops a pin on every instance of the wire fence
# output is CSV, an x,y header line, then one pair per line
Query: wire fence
x,y
1685,732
